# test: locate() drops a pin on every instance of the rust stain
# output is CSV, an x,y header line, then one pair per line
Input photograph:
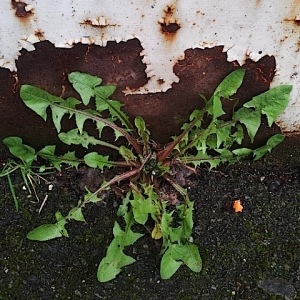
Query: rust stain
x,y
160,81
169,25
292,20
39,33
23,10
283,39
99,22
293,17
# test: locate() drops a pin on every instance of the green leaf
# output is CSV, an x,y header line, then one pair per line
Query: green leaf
x,y
127,154
168,265
143,132
125,237
186,215
250,118
80,120
18,149
100,126
62,229
272,142
111,265
114,108
141,208
70,102
45,232
84,139
91,197
196,114
69,158
177,254
57,114
37,99
59,111
230,84
59,217
76,214
214,107
223,133
76,138
84,84
103,92
271,103
188,254
242,152
115,258
123,208
238,135
95,160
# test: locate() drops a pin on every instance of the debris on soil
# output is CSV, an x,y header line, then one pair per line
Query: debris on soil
x,y
237,206
278,286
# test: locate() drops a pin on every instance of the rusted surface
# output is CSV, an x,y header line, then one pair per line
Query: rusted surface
x,y
23,10
47,67
200,72
121,64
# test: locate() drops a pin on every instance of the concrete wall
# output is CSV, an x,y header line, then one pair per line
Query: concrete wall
x,y
161,55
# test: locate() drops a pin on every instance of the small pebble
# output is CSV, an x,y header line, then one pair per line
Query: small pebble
x,y
278,286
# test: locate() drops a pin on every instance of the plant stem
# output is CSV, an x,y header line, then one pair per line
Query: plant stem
x,y
163,154
116,179
110,124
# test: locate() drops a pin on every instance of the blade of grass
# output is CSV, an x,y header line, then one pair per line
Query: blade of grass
x,y
12,190
24,176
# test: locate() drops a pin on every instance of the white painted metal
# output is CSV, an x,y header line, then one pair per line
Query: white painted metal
x,y
247,29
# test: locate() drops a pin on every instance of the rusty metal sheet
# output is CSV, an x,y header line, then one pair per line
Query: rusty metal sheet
x,y
165,29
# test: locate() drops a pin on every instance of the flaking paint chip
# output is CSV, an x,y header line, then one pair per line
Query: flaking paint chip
x,y
29,8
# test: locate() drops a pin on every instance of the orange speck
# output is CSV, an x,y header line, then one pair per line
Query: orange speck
x,y
237,206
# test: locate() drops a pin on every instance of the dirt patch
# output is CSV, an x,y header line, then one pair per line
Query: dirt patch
x,y
245,255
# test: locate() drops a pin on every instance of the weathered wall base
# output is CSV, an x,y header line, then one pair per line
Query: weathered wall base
x,y
121,64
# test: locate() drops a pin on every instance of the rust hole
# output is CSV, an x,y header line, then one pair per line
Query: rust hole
x,y
170,9
87,22
168,23
22,9
169,28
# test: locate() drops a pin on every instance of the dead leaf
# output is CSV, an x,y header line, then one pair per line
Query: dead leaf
x,y
156,232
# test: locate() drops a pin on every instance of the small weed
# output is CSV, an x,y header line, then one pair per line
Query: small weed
x,y
146,166
30,173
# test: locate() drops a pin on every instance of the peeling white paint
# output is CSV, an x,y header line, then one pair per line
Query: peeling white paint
x,y
247,29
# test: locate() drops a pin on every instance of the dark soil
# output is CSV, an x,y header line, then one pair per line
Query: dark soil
x,y
254,254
